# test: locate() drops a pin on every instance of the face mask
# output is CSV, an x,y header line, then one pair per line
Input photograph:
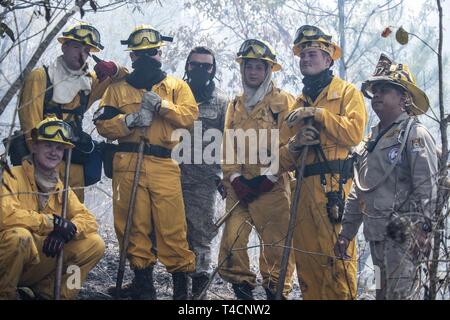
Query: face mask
x,y
146,63
198,78
147,72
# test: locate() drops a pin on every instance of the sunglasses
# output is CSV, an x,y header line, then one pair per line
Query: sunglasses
x,y
201,65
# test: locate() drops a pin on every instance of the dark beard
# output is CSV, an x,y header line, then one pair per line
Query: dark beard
x,y
147,72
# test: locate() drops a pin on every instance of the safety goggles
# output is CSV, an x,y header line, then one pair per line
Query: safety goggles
x,y
310,33
258,48
201,65
83,33
140,36
51,129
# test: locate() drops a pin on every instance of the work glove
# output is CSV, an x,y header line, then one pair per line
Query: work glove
x,y
298,115
143,118
261,184
64,227
53,244
243,191
340,248
398,228
307,136
104,69
151,101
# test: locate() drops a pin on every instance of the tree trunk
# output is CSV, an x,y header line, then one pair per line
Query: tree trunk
x,y
442,198
342,66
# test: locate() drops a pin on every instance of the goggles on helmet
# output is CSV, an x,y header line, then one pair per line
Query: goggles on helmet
x,y
140,36
258,48
310,33
51,129
85,33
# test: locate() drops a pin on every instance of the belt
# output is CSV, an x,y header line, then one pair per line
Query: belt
x,y
149,149
334,166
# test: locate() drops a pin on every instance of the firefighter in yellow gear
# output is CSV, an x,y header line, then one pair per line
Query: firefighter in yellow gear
x,y
32,231
149,104
262,193
66,89
330,117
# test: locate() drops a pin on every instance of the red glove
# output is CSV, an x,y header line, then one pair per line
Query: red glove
x,y
105,69
243,191
261,183
340,248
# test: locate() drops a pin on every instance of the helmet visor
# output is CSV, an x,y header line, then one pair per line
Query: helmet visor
x,y
310,33
258,48
85,33
51,129
148,36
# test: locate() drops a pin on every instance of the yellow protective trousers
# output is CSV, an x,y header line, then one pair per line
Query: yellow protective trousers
x,y
320,275
23,264
269,215
159,209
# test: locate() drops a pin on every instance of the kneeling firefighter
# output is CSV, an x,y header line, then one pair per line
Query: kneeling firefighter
x,y
33,230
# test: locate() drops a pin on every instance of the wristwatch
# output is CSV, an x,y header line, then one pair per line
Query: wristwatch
x,y
426,226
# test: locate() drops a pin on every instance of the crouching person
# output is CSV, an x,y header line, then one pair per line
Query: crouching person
x,y
32,231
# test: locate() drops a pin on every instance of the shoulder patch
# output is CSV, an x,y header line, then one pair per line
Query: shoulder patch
x,y
417,144
392,155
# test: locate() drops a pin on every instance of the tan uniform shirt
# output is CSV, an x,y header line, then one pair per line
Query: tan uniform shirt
x,y
411,186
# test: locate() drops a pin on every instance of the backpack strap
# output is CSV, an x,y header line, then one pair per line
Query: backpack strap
x,y
388,172
56,108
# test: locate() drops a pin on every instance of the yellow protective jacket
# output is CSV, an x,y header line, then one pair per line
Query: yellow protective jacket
x,y
31,107
341,122
267,114
179,111
19,205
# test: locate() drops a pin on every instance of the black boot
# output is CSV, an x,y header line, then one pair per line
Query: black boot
x,y
198,284
243,291
141,287
180,285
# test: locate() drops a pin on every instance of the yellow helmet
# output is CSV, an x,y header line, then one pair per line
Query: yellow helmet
x,y
145,37
53,129
399,75
84,33
258,49
313,37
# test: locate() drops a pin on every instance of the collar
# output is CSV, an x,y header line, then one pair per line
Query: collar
x,y
402,117
265,100
28,168
333,91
